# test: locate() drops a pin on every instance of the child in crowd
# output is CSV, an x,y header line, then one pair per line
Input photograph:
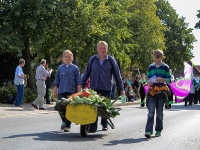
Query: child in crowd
x,y
131,94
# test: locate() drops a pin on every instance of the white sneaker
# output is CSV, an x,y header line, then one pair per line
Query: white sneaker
x,y
67,129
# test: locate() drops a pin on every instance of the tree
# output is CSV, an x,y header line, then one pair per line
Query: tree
x,y
179,38
8,63
197,25
24,23
147,33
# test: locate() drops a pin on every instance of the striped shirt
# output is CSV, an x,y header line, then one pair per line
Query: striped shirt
x,y
42,73
67,78
100,73
161,71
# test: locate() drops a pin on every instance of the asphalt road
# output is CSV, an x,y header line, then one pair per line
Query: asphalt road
x,y
42,132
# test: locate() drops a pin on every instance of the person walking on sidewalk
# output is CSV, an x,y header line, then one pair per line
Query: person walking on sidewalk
x,y
67,82
19,82
158,75
41,76
142,82
100,69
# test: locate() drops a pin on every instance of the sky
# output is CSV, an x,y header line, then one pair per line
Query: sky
x,y
188,9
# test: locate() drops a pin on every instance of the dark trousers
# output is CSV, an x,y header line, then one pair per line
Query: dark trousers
x,y
196,96
142,96
137,93
170,100
104,123
63,111
189,98
47,96
113,91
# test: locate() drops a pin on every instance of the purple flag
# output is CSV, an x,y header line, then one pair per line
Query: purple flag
x,y
146,87
182,87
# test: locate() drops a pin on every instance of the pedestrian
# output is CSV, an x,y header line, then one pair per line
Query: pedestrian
x,y
170,97
196,93
67,82
158,75
142,82
48,86
100,69
19,82
41,76
131,94
113,91
191,96
135,86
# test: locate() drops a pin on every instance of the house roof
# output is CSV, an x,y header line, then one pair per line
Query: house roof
x,y
198,66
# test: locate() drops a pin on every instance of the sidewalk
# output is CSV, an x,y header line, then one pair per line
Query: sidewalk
x,y
10,110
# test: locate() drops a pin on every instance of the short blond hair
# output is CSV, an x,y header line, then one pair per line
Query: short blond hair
x,y
158,53
102,42
69,52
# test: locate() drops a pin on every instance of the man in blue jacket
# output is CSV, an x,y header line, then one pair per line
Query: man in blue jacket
x,y
100,68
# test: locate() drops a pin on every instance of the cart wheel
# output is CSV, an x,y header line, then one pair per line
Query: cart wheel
x,y
84,129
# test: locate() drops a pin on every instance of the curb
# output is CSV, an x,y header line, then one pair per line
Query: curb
x,y
26,114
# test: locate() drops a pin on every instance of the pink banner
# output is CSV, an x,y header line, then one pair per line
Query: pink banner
x,y
182,87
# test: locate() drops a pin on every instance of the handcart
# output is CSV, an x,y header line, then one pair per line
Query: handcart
x,y
85,114
85,110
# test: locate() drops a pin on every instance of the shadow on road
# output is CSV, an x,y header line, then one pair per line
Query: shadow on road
x,y
127,141
175,107
59,136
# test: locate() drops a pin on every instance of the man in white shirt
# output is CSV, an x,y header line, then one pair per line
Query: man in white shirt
x,y
19,82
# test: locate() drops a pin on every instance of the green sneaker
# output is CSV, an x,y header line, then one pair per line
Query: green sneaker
x,y
158,134
147,134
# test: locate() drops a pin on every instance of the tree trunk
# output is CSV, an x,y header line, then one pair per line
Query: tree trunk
x,y
28,66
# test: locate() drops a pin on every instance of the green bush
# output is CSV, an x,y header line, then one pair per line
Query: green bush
x,y
8,89
51,96
29,95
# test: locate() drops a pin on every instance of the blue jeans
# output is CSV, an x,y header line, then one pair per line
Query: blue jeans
x,y
104,123
113,91
20,94
155,103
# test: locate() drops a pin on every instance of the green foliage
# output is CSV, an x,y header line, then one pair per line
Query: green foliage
x,y
146,30
8,89
197,25
9,62
179,38
132,28
51,96
29,95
